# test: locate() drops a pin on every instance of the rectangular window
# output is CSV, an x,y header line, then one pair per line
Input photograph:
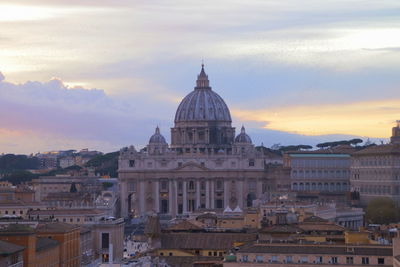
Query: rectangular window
x,y
318,259
304,259
274,258
259,258
164,185
365,260
219,203
220,185
131,186
289,259
251,163
245,258
105,240
202,185
252,185
334,260
381,260
349,260
131,163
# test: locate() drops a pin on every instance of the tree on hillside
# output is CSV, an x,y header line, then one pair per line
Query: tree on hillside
x,y
382,211
355,141
18,177
106,164
10,162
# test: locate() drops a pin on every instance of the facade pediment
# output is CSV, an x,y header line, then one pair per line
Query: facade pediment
x,y
191,166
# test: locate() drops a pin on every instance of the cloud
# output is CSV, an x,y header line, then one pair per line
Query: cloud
x,y
372,118
263,56
41,115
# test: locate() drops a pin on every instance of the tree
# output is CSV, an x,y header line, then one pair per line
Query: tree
x,y
107,185
10,162
382,211
18,177
355,141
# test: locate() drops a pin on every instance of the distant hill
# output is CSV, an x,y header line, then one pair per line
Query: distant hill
x,y
106,164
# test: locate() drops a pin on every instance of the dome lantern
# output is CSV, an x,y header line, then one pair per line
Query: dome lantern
x,y
202,80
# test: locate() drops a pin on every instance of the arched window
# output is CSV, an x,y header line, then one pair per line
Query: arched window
x,y
295,188
338,187
313,186
301,187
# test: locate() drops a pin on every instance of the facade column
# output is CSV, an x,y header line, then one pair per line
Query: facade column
x,y
157,196
141,197
212,195
170,199
240,193
226,193
175,197
259,189
207,194
184,197
197,195
123,186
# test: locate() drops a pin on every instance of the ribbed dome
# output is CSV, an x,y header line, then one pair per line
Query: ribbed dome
x,y
157,138
243,137
202,104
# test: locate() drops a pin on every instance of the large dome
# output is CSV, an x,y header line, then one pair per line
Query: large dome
x,y
202,104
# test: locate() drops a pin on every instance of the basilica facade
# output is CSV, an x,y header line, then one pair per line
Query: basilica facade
x,y
205,166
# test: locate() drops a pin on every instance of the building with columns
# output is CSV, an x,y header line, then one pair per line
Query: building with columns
x,y
204,167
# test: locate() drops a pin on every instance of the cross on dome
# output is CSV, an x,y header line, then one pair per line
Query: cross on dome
x,y
202,80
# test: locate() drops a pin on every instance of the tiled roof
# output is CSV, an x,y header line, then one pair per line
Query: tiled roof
x,y
314,219
19,229
45,243
318,250
152,226
222,241
185,226
56,227
380,149
207,215
67,212
7,248
342,149
320,227
281,229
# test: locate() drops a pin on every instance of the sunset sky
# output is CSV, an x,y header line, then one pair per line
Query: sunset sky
x,y
103,74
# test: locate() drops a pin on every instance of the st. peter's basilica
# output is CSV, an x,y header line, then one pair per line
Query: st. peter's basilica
x,y
204,167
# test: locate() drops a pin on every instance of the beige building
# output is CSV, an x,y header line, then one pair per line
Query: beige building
x,y
204,167
326,170
375,171
306,255
73,216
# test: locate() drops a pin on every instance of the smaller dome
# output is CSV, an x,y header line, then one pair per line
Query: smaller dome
x,y
157,138
243,137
